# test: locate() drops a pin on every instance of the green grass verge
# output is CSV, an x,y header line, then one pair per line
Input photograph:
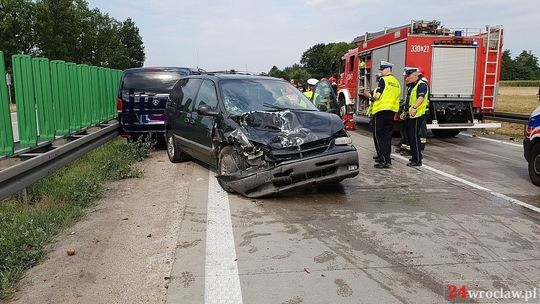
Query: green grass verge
x,y
55,203
519,83
523,104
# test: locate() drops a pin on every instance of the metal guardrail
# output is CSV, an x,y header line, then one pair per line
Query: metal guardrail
x,y
508,117
17,177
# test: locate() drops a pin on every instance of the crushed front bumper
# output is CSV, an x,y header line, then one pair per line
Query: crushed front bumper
x,y
295,175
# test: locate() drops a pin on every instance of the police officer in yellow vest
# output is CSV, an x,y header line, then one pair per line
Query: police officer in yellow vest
x,y
384,107
417,101
312,82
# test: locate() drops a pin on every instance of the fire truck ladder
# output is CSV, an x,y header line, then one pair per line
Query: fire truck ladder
x,y
491,66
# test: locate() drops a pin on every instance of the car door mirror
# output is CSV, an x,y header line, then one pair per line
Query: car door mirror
x,y
207,111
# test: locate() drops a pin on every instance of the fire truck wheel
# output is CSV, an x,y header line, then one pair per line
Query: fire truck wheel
x,y
534,164
445,133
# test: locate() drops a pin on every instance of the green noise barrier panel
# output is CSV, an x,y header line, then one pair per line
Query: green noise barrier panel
x,y
44,100
6,132
55,98
25,98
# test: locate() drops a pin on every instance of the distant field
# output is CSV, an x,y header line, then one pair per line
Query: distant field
x,y
514,100
517,99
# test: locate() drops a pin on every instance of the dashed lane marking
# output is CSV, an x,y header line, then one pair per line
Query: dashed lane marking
x,y
222,283
476,186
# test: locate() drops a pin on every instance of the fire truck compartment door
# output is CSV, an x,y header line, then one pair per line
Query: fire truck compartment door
x,y
453,70
377,56
397,57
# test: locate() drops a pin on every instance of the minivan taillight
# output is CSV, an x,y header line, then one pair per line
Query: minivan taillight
x,y
119,104
528,131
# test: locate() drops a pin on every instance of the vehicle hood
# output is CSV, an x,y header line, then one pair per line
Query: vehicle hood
x,y
287,128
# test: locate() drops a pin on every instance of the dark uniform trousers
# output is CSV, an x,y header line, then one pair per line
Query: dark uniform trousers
x,y
383,127
414,129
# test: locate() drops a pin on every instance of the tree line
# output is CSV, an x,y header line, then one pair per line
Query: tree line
x,y
523,67
321,60
68,30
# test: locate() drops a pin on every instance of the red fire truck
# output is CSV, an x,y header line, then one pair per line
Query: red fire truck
x,y
462,67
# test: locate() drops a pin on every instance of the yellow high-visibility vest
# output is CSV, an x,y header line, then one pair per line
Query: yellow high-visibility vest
x,y
421,110
389,99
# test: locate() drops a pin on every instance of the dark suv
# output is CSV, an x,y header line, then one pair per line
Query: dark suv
x,y
142,97
263,135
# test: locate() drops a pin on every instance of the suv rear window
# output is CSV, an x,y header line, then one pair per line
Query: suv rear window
x,y
159,82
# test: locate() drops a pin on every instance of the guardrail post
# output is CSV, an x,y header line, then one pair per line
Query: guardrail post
x,y
44,101
25,98
6,132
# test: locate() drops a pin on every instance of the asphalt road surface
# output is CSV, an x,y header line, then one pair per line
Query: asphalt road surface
x,y
466,221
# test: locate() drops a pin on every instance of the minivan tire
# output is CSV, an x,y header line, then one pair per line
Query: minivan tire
x,y
229,162
174,152
534,164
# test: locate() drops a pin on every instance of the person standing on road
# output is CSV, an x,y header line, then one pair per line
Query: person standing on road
x,y
423,129
417,100
384,107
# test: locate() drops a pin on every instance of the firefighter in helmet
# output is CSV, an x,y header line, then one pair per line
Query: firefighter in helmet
x,y
416,101
385,106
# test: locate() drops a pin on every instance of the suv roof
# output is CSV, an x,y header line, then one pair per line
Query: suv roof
x,y
219,76
155,69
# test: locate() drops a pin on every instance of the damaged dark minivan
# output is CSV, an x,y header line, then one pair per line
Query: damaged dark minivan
x,y
263,135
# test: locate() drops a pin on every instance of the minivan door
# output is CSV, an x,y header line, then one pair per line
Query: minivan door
x,y
179,119
324,97
202,125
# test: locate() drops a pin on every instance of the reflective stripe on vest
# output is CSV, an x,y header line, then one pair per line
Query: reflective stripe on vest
x,y
389,99
421,110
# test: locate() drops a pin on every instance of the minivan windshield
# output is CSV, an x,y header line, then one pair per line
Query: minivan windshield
x,y
147,81
244,95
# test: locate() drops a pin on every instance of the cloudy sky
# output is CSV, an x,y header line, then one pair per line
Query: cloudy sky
x,y
254,35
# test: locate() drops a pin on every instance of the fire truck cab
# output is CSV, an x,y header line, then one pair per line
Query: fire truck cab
x,y
462,67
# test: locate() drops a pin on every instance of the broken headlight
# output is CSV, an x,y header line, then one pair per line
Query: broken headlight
x,y
343,141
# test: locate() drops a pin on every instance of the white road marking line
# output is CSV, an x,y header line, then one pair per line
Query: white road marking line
x,y
476,186
222,283
494,140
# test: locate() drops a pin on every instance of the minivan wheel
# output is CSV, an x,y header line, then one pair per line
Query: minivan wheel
x,y
175,154
229,162
534,164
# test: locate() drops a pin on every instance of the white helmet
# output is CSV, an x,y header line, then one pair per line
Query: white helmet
x,y
312,81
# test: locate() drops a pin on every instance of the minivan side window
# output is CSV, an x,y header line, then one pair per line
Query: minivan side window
x,y
207,96
176,95
188,91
